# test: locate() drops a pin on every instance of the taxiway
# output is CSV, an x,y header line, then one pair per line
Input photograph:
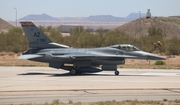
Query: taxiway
x,y
43,84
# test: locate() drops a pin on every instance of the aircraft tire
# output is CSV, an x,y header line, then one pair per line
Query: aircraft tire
x,y
73,72
116,72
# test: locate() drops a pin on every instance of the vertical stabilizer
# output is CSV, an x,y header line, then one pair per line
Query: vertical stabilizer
x,y
36,38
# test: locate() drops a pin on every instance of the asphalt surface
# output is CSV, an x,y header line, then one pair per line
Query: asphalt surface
x,y
42,84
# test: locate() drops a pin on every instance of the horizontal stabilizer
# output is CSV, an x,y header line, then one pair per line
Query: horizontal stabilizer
x,y
29,56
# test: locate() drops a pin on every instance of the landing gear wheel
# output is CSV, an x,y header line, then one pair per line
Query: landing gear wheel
x,y
73,72
116,72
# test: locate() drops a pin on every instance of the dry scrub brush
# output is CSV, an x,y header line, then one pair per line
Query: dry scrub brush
x,y
15,41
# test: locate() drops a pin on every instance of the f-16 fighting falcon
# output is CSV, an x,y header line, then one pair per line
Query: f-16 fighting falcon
x,y
42,49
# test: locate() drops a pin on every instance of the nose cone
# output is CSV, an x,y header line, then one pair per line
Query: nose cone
x,y
154,57
149,56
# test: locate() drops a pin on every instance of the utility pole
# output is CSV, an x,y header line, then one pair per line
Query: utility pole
x,y
16,16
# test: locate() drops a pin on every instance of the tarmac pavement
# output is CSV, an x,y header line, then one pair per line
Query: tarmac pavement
x,y
43,84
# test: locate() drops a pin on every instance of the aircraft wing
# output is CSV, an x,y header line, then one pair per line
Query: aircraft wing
x,y
75,56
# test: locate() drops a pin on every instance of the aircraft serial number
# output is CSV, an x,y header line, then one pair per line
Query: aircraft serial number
x,y
41,40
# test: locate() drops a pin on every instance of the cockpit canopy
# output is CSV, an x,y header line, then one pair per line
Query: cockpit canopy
x,y
126,47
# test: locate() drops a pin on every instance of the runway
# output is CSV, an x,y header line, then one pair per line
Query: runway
x,y
43,84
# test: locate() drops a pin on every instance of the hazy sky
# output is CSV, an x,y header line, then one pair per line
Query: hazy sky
x,y
85,8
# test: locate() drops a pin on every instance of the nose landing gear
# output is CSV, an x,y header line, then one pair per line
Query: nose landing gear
x,y
116,72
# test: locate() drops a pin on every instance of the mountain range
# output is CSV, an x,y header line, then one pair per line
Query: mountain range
x,y
96,18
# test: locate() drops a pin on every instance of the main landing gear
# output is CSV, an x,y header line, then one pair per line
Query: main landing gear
x,y
116,72
73,71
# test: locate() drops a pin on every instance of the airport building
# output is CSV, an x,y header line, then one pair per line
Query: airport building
x,y
67,28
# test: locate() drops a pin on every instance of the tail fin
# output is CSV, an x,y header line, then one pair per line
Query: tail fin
x,y
36,38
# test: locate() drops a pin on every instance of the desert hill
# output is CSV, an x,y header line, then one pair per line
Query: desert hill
x,y
4,25
169,25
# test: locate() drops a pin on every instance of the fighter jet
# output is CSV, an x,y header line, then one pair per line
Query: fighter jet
x,y
42,49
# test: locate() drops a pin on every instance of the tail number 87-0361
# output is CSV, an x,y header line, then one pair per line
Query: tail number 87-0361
x,y
41,40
